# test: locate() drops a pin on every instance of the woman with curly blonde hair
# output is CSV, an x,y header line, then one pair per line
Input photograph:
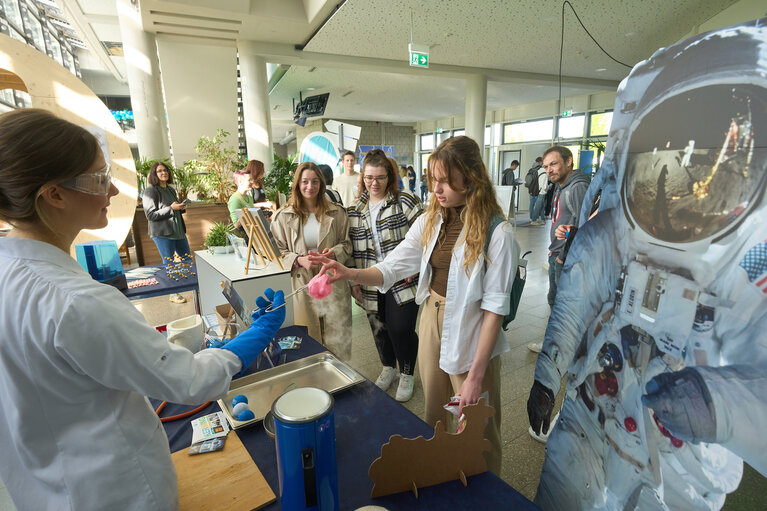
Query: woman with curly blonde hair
x,y
465,282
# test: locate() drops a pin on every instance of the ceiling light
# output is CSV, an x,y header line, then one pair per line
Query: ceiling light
x,y
311,88
346,93
601,69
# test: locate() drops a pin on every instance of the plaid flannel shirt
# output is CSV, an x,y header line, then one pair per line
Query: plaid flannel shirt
x,y
394,219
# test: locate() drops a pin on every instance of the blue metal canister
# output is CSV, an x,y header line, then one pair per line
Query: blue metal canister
x,y
306,449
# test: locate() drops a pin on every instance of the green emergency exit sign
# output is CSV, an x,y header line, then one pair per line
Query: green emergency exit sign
x,y
567,113
419,55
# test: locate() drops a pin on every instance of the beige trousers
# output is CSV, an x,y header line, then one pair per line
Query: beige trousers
x,y
439,387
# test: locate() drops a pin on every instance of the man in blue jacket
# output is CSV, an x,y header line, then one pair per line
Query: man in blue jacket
x,y
571,186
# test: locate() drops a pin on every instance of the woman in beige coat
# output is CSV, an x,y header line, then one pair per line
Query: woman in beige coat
x,y
311,223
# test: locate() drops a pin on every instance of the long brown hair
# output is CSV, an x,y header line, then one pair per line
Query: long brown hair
x,y
37,148
296,200
256,170
377,158
463,155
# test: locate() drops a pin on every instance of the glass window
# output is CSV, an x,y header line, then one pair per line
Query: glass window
x,y
69,62
6,96
34,30
599,124
459,133
528,131
54,48
425,161
427,142
12,12
441,137
17,35
488,135
576,150
23,100
571,127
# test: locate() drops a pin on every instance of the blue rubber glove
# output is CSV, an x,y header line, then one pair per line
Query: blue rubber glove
x,y
683,404
250,343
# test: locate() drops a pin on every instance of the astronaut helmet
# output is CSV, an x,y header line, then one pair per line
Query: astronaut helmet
x,y
686,158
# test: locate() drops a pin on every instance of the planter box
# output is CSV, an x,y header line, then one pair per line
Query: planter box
x,y
199,218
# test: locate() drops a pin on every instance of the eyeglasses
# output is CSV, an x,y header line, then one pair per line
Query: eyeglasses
x,y
380,179
97,183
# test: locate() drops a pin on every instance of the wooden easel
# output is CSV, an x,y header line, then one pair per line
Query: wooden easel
x,y
258,240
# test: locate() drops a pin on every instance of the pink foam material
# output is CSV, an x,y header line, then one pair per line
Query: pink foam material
x,y
319,287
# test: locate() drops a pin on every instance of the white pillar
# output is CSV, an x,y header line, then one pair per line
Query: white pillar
x,y
144,83
476,106
255,103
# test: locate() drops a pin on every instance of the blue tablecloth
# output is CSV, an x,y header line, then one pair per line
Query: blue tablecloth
x,y
365,418
165,285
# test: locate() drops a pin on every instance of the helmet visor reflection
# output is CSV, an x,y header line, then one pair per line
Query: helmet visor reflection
x,y
696,162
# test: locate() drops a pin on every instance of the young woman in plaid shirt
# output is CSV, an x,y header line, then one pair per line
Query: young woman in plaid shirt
x,y
378,221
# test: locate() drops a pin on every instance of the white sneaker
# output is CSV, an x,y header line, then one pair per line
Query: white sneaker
x,y
386,378
535,347
543,438
405,388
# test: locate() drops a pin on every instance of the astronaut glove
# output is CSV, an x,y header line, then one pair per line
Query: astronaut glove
x,y
682,402
540,404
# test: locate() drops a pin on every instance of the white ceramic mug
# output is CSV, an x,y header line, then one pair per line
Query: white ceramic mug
x,y
187,332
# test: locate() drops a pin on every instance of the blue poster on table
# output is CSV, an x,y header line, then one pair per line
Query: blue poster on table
x,y
364,149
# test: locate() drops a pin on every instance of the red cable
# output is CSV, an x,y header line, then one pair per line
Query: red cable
x,y
181,415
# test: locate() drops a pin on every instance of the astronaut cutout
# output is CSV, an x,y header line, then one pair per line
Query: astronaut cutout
x,y
664,291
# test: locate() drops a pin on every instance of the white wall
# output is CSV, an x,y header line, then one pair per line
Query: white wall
x,y
200,83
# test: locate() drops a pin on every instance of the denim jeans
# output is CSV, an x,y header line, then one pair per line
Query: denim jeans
x,y
168,248
537,205
555,270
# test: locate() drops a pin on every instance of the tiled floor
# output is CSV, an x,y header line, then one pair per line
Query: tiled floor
x,y
523,457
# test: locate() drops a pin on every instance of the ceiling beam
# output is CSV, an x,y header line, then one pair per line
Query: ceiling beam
x,y
287,54
82,26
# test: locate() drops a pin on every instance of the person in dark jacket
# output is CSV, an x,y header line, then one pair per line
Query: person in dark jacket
x,y
571,186
163,212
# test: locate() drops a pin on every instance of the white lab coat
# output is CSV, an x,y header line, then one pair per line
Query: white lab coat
x,y
487,287
614,463
76,359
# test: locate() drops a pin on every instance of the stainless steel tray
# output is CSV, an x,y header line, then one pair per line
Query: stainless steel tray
x,y
322,370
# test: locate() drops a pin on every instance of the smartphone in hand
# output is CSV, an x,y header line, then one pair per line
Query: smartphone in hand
x,y
186,201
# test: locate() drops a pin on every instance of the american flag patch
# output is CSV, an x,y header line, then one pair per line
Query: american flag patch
x,y
755,265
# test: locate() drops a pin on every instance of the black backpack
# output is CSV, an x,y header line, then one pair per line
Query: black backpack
x,y
531,181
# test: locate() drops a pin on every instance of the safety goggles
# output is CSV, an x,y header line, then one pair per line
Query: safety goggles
x,y
97,183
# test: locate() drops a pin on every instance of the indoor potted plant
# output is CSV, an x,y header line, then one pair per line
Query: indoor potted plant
x,y
277,181
216,240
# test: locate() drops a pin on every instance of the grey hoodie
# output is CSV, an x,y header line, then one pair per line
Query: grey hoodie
x,y
566,207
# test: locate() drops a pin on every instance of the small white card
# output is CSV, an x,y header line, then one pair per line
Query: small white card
x,y
210,426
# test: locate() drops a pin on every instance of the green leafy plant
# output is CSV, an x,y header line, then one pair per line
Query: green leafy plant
x,y
217,235
186,179
279,178
218,161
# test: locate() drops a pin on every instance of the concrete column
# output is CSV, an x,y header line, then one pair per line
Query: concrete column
x,y
144,83
255,103
476,106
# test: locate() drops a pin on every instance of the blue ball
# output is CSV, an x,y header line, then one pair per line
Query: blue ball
x,y
239,398
246,416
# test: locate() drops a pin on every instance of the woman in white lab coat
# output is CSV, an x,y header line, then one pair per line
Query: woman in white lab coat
x,y
76,358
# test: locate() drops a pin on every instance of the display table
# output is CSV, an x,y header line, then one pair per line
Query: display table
x,y
213,269
164,286
365,418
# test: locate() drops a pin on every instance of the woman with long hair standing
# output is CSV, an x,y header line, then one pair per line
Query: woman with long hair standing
x,y
464,287
378,222
76,357
310,224
164,214
256,170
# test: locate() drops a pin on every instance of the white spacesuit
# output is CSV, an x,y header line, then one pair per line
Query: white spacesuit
x,y
663,293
